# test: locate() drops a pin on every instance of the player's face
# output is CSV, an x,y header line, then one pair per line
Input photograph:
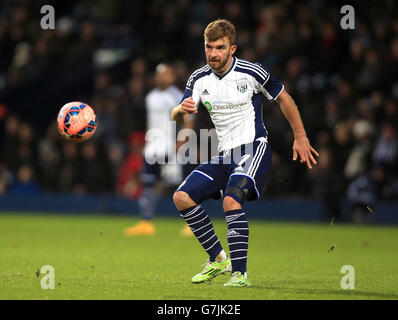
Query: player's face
x,y
219,54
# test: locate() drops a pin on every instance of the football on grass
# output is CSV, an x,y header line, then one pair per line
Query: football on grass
x,y
77,121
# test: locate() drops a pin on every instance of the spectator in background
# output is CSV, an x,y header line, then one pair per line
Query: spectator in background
x,y
106,107
133,114
358,159
11,142
342,144
365,190
69,170
390,110
110,120
94,174
27,150
102,84
385,152
115,154
280,179
362,194
49,159
139,69
346,98
25,183
326,186
370,74
128,181
181,72
6,179
87,43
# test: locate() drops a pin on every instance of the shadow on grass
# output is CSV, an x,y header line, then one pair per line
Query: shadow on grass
x,y
346,293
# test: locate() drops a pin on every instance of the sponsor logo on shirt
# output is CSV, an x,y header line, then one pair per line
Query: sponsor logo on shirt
x,y
223,106
208,106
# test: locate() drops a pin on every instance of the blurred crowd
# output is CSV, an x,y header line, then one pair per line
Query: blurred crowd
x,y
345,83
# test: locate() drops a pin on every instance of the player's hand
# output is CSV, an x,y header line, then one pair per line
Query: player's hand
x,y
302,148
188,106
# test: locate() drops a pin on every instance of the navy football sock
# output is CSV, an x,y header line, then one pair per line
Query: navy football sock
x,y
238,239
202,227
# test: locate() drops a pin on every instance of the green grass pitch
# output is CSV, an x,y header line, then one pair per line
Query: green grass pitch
x,y
93,259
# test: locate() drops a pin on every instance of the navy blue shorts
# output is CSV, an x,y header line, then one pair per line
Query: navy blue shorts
x,y
210,179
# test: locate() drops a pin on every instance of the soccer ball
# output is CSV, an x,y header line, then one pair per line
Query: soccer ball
x,y
76,121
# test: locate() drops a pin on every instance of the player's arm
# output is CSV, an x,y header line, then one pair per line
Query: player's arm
x,y
183,110
182,114
189,123
301,145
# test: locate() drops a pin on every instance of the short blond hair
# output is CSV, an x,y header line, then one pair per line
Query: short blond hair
x,y
219,29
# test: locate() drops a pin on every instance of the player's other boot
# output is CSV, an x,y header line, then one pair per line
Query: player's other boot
x,y
186,231
237,280
212,270
144,227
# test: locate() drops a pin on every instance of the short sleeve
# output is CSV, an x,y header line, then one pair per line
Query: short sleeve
x,y
191,90
271,87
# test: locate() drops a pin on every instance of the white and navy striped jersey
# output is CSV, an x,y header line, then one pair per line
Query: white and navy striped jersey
x,y
159,104
234,101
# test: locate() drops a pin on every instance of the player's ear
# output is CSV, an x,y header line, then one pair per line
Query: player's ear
x,y
233,49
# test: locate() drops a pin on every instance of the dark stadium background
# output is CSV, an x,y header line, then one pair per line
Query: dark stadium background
x,y
344,82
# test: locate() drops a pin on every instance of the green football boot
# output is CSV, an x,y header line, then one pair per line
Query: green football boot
x,y
212,270
237,280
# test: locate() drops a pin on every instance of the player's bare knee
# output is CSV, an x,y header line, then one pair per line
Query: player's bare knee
x,y
182,200
230,203
178,197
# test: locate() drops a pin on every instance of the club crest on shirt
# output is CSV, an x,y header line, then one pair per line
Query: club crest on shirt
x,y
242,86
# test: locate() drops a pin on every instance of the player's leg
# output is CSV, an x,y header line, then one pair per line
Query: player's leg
x,y
197,187
238,228
146,202
244,184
